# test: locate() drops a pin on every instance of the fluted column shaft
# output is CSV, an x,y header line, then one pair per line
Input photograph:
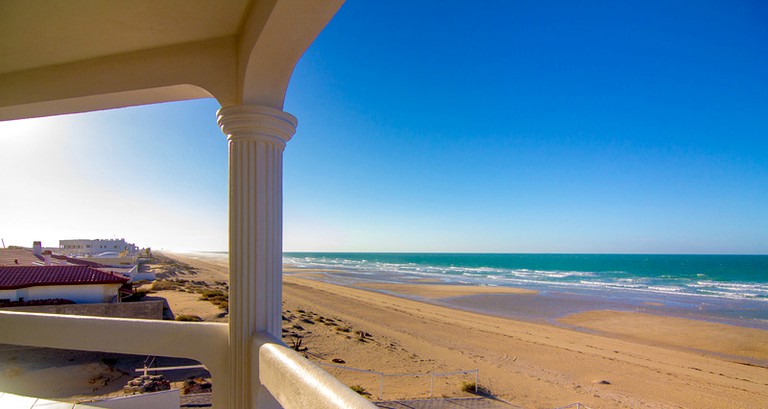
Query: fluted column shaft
x,y
256,136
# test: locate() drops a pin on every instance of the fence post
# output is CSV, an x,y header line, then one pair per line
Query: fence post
x,y
477,379
381,385
431,384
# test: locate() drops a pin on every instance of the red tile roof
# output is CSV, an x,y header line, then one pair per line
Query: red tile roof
x,y
25,257
32,276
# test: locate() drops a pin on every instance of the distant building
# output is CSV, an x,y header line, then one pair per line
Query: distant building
x,y
85,247
80,284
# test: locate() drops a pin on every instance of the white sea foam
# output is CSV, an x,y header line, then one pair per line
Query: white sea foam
x,y
534,278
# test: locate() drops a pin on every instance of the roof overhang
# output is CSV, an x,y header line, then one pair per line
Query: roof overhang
x,y
82,55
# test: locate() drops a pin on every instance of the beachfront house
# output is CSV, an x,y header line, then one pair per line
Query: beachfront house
x,y
79,56
79,284
94,247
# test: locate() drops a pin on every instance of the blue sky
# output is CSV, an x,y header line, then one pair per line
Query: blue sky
x,y
454,126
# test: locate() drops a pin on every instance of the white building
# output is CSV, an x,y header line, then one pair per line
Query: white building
x,y
87,247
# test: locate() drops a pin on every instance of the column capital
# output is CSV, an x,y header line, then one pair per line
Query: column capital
x,y
258,123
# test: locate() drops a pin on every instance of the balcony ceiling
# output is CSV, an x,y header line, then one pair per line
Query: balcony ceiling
x,y
40,33
66,56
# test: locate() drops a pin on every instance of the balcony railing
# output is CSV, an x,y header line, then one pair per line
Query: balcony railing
x,y
291,379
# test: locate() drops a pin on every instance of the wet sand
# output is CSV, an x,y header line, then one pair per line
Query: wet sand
x,y
436,291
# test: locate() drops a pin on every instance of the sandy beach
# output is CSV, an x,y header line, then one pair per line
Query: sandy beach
x,y
604,359
636,362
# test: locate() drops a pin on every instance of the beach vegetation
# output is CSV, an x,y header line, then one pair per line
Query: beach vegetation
x,y
161,285
296,341
170,267
189,318
343,329
215,297
359,389
208,293
137,295
475,389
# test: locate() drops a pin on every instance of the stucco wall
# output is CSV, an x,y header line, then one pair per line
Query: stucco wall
x,y
88,293
152,310
8,295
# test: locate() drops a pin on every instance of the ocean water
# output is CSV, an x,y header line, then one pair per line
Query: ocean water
x,y
725,276
732,288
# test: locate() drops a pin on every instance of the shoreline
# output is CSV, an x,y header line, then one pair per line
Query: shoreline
x,y
551,306
547,304
625,322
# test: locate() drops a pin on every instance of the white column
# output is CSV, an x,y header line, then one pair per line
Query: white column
x,y
256,136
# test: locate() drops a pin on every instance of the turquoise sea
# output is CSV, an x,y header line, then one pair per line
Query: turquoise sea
x,y
731,288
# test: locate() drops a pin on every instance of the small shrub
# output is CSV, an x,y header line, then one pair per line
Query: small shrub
x,y
215,297
296,341
359,389
211,294
469,387
139,294
160,285
190,318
